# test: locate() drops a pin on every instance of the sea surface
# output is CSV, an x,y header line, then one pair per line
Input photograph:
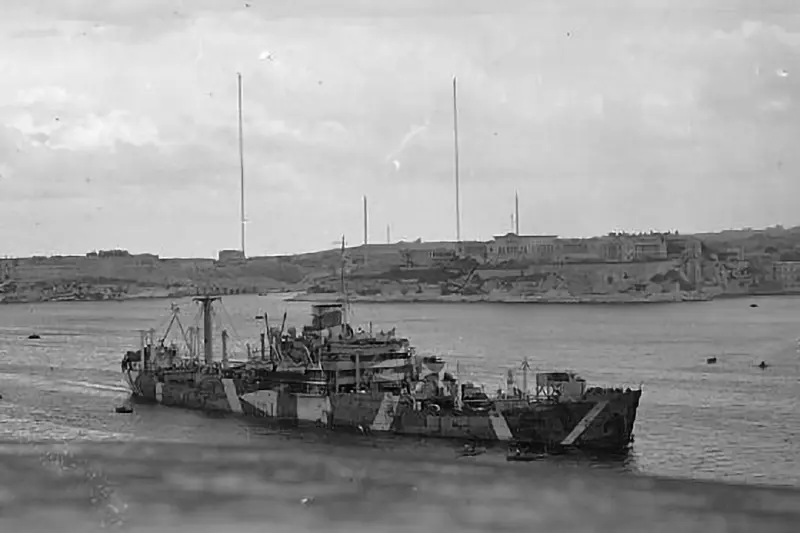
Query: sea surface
x,y
69,462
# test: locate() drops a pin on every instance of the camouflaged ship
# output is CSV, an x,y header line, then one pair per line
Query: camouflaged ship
x,y
332,376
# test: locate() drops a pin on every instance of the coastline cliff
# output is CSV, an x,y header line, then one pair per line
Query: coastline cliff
x,y
651,268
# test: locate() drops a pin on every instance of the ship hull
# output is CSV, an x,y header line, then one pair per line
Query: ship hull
x,y
550,425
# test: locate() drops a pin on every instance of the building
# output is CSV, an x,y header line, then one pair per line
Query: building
x,y
426,254
582,250
109,253
477,250
228,256
731,254
617,249
787,273
413,257
652,247
522,247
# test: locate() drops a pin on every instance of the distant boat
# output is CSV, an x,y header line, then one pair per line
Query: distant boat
x,y
711,360
34,337
471,450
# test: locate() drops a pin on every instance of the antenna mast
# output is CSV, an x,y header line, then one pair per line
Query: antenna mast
x,y
365,221
344,287
516,210
455,143
366,239
241,156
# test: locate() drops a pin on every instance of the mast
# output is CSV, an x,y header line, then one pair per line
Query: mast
x,y
525,367
365,222
366,233
208,326
343,287
455,144
516,211
241,156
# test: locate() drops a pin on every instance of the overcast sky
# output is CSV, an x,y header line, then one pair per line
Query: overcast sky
x,y
119,121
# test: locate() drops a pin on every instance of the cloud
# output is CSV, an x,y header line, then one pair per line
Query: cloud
x,y
625,116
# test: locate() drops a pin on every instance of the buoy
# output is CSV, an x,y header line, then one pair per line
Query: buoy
x,y
33,336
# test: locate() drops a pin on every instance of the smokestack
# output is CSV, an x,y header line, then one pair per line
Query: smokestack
x,y
365,220
516,211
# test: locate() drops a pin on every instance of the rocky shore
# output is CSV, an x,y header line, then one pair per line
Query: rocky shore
x,y
505,298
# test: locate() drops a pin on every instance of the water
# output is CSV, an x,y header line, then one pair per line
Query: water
x,y
731,421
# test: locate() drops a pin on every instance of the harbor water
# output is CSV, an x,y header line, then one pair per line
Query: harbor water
x,y
68,458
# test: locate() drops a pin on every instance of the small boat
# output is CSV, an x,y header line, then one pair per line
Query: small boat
x,y
124,409
471,450
519,452
711,360
33,337
762,365
527,451
753,305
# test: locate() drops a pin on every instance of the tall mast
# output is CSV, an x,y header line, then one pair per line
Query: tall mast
x,y
455,142
344,288
516,211
365,222
366,231
241,156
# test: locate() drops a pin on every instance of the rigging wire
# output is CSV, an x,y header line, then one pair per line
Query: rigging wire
x,y
235,337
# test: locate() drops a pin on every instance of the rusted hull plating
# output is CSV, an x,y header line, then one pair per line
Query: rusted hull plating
x,y
601,423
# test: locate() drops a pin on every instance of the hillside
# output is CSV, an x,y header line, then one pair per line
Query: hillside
x,y
382,270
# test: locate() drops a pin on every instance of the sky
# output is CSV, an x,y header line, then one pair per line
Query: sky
x,y
119,120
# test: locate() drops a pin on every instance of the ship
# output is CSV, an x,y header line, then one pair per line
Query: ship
x,y
331,376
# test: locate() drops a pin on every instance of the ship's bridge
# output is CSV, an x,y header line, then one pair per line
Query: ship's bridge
x,y
560,385
324,316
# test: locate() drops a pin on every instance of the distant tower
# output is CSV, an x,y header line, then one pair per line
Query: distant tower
x,y
388,235
516,212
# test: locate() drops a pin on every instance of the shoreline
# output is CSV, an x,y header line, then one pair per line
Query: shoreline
x,y
299,296
483,299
